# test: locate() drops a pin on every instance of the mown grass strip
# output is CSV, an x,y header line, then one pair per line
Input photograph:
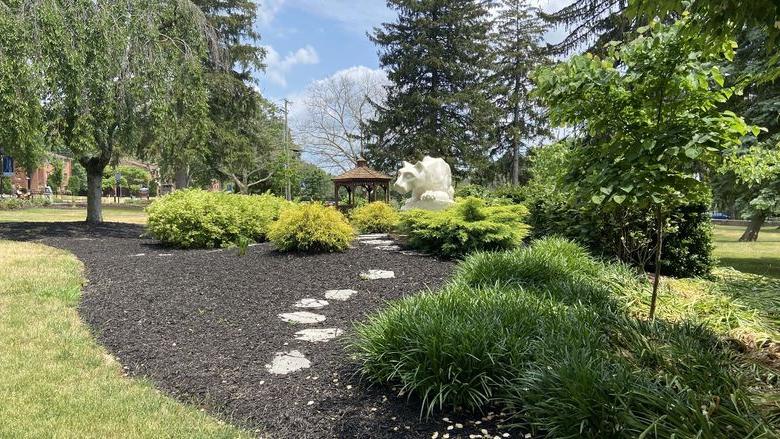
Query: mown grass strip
x,y
56,381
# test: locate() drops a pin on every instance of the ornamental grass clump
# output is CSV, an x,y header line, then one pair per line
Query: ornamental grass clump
x,y
468,226
376,217
544,334
196,218
311,227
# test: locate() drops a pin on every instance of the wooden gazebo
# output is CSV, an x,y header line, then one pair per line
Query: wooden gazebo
x,y
365,177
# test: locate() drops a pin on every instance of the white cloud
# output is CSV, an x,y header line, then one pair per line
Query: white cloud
x,y
277,66
267,10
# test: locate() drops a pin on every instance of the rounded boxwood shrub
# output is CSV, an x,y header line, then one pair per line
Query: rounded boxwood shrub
x,y
195,218
311,227
376,217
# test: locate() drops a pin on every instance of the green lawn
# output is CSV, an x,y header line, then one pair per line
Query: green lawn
x,y
56,381
760,257
44,214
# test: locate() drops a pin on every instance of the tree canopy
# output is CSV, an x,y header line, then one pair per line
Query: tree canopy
x,y
648,117
437,57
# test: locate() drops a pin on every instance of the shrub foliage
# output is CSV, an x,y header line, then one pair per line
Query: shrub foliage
x,y
544,333
200,219
623,233
311,227
376,217
18,203
466,227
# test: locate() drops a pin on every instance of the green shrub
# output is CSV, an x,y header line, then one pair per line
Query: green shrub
x,y
311,227
515,194
376,217
545,338
201,219
471,190
626,235
18,203
466,227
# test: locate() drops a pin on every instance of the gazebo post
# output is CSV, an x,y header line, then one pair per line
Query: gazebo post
x,y
337,186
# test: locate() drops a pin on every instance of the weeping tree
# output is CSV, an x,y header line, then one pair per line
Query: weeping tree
x,y
106,68
21,93
246,146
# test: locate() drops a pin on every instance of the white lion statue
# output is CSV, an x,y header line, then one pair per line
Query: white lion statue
x,y
429,181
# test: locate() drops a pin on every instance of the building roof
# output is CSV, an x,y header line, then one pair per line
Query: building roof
x,y
362,173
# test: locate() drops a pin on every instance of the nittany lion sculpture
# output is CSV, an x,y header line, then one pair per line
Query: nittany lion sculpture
x,y
429,181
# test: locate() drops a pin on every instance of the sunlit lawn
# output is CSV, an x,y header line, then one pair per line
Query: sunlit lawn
x,y
760,257
110,214
55,381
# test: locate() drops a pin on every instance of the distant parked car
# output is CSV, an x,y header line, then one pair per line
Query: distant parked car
x,y
720,216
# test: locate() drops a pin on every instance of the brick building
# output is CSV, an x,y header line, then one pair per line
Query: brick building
x,y
41,175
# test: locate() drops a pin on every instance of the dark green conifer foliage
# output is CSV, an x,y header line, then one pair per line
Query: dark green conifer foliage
x,y
437,57
518,48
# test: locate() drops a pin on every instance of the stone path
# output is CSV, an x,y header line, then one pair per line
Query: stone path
x,y
292,361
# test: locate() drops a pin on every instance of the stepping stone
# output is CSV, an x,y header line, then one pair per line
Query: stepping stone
x,y
342,295
318,335
413,253
389,248
378,242
138,255
288,362
311,303
304,317
165,254
373,236
377,274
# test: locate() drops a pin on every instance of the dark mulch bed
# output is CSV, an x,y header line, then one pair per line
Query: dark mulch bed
x,y
203,324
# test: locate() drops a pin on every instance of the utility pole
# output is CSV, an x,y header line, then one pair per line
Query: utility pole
x,y
287,188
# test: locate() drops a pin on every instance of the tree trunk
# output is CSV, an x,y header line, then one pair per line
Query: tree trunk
x,y
751,233
94,195
182,177
659,225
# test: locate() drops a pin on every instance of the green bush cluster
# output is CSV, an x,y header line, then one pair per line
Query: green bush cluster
x,y
311,227
627,235
469,226
199,219
543,333
376,217
18,203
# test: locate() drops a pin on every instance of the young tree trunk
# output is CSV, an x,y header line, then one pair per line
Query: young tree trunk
x,y
94,194
751,233
182,177
659,227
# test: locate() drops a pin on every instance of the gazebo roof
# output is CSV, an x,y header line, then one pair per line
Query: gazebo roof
x,y
362,173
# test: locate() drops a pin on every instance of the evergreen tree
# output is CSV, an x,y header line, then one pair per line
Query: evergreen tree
x,y
517,43
437,57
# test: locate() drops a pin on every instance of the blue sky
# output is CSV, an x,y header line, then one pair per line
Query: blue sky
x,y
309,40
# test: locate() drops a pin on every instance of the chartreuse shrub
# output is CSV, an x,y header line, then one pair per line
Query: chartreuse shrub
x,y
199,219
466,227
544,333
376,217
311,227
